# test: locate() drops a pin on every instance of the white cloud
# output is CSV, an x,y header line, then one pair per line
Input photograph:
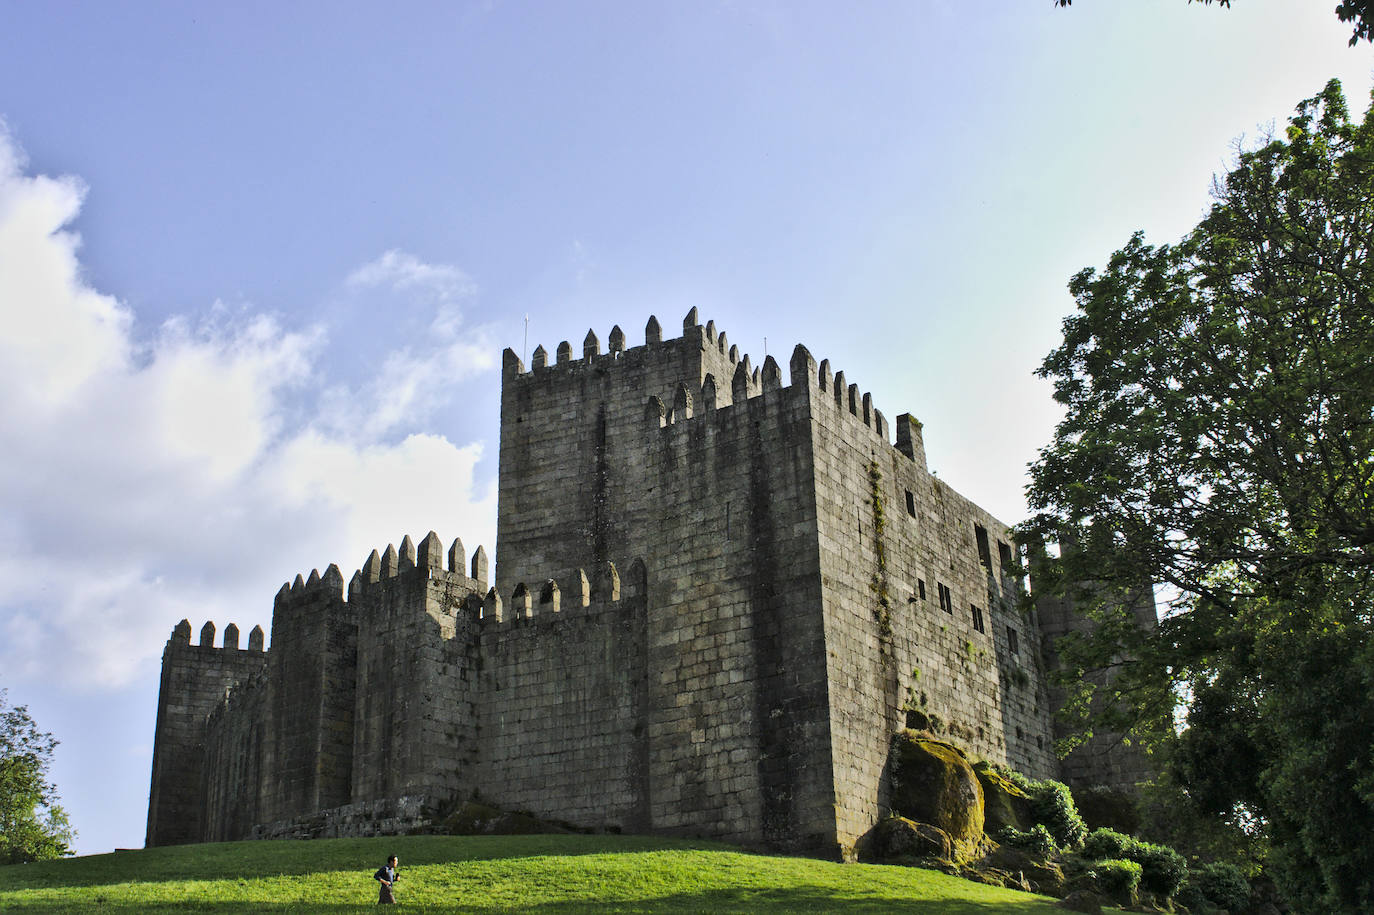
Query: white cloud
x,y
377,494
59,335
431,353
188,474
402,271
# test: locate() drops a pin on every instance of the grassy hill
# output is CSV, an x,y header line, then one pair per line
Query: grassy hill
x,y
544,874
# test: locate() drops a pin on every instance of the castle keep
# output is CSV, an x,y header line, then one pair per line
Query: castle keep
x,y
718,592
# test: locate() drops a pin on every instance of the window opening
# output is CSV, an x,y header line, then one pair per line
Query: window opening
x,y
980,533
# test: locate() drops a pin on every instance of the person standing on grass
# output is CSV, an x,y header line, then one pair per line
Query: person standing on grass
x,y
387,877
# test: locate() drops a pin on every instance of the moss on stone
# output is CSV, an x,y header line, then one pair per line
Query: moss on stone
x,y
1004,804
933,782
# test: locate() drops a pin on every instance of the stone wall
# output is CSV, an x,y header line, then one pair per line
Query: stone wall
x,y
194,681
387,817
739,720
921,609
415,719
682,450
309,738
563,701
235,781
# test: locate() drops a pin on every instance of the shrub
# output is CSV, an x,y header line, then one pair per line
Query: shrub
x,y
1118,879
1052,804
1163,869
1219,885
1107,843
1037,840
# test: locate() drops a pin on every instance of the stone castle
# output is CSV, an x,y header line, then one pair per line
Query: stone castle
x,y
718,593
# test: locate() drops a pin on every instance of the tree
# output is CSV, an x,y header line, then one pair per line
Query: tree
x,y
1219,440
33,826
1360,12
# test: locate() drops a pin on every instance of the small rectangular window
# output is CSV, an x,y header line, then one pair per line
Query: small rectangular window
x,y
946,599
910,504
980,533
1012,645
977,618
921,588
1004,555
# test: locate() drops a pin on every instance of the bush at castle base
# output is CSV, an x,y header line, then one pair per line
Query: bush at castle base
x,y
1215,886
1117,879
1036,841
1163,869
1051,803
932,782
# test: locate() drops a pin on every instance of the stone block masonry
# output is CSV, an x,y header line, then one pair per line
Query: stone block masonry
x,y
195,679
717,596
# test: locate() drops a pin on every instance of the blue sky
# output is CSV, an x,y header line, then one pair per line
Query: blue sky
x,y
258,262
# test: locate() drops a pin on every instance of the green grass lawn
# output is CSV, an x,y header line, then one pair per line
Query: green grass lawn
x,y
544,874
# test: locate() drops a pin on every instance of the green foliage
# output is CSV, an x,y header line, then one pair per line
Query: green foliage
x,y
1051,804
1317,780
1215,886
1037,840
1218,439
33,827
1106,843
1170,816
1117,879
551,874
883,612
1360,12
1162,868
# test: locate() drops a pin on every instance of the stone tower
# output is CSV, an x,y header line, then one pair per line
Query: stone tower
x,y
809,582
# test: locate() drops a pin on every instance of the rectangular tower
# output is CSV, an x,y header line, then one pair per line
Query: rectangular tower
x,y
812,588
679,452
195,679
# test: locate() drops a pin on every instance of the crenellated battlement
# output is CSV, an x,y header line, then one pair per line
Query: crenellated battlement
x,y
569,595
827,388
427,560
181,636
695,338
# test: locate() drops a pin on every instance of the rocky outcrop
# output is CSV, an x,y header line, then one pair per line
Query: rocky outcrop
x,y
1004,804
1036,873
897,840
933,782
